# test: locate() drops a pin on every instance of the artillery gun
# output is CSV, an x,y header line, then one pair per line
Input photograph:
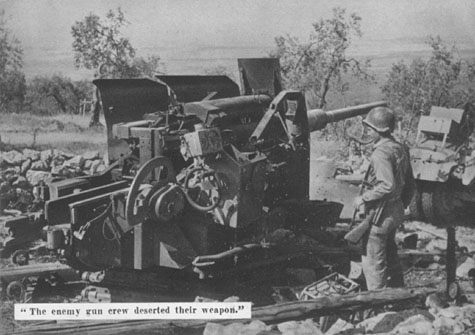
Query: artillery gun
x,y
443,162
200,178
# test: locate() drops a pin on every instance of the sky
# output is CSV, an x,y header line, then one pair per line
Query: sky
x,y
184,30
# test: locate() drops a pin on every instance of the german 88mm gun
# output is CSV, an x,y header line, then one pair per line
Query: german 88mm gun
x,y
199,177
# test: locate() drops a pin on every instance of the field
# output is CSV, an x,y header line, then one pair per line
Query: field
x,y
68,133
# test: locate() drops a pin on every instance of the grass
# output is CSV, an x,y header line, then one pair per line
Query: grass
x,y
14,122
69,133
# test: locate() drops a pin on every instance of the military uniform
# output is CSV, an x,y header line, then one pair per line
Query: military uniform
x,y
390,171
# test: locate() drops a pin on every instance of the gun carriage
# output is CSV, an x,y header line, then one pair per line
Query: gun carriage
x,y
200,178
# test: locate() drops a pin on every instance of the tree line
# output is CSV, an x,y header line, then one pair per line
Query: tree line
x,y
320,65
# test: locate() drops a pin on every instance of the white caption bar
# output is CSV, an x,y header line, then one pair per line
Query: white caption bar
x,y
134,311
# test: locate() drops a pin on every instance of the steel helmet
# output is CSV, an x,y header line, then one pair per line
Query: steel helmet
x,y
381,119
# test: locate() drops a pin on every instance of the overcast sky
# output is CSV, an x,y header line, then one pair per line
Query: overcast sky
x,y
164,26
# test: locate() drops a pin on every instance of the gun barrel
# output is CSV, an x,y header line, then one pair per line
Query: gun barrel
x,y
232,103
318,119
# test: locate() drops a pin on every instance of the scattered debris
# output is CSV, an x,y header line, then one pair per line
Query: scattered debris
x,y
463,269
330,285
96,294
253,328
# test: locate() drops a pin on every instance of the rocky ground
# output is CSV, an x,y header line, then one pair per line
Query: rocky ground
x,y
451,320
23,172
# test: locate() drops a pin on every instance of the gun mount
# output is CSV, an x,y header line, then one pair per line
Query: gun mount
x,y
443,162
191,181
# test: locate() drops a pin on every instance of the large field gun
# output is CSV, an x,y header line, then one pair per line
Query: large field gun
x,y
195,184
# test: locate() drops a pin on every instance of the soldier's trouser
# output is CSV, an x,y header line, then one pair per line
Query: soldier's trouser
x,y
381,265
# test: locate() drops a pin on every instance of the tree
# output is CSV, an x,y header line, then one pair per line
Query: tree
x,y
321,64
100,43
12,79
147,67
55,94
219,70
444,79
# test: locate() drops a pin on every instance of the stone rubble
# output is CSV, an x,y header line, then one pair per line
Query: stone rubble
x,y
447,321
31,154
464,268
253,328
20,172
307,327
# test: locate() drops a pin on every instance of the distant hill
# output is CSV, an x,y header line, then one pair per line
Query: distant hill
x,y
383,54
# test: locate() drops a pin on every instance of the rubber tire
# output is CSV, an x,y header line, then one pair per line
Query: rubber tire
x,y
435,207
13,293
20,257
428,206
415,206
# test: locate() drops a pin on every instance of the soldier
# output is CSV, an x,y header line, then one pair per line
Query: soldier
x,y
392,185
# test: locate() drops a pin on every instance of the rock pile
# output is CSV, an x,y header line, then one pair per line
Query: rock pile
x,y
451,320
20,172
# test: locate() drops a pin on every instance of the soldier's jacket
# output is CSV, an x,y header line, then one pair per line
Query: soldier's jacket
x,y
392,180
390,171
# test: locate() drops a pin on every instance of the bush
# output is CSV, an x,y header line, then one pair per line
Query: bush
x,y
12,79
442,80
56,95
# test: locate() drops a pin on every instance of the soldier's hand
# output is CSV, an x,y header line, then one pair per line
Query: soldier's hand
x,y
358,202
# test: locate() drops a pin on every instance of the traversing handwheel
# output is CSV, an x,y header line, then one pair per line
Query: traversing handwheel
x,y
202,188
159,171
